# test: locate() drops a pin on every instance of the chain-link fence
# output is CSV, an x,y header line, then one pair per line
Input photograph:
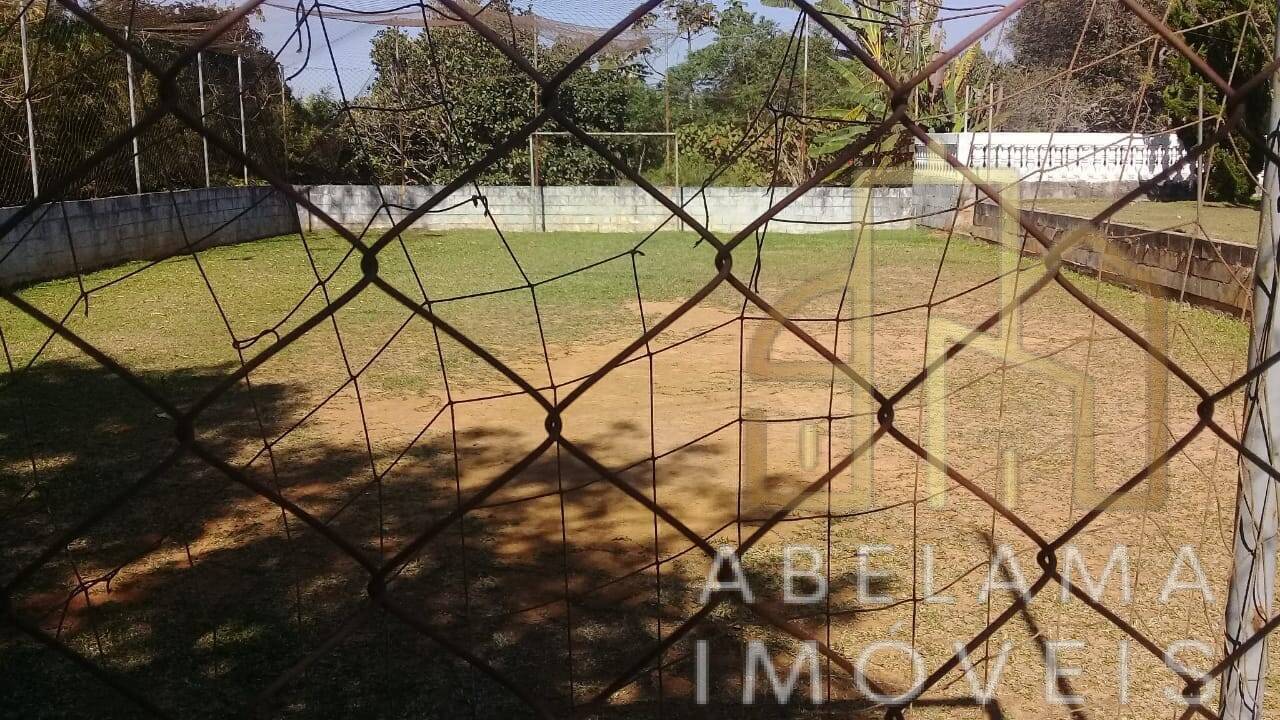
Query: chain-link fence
x,y
390,631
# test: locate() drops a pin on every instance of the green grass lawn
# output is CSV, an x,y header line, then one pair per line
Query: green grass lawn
x,y
1221,221
201,630
164,317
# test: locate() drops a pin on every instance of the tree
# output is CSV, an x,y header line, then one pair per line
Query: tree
x,y
900,47
1107,50
80,93
319,152
691,17
1237,46
746,84
442,99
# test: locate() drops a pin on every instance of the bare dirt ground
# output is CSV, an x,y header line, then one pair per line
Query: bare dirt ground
x,y
215,584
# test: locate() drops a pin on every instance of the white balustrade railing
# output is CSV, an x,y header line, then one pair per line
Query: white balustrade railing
x,y
1061,157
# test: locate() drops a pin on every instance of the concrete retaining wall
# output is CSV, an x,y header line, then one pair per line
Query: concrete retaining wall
x,y
600,209
90,234
933,205
934,197
83,235
1214,273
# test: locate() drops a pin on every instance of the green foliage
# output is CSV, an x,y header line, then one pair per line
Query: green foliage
x,y
731,77
318,151
444,98
707,147
736,86
1236,46
1114,80
1231,180
80,103
864,100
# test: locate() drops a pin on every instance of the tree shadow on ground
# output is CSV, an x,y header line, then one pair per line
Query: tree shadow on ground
x,y
205,598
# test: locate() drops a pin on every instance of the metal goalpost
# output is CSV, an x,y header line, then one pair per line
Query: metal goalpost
x,y
536,186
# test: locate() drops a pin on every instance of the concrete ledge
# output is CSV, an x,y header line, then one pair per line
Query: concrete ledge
x,y
1214,273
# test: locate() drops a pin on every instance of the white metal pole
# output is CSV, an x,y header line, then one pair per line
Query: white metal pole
x,y
804,82
1200,141
679,183
804,102
26,94
244,144
203,137
1253,571
284,123
533,190
133,118
532,180
536,193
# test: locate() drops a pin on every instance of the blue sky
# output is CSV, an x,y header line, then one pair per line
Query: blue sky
x,y
350,40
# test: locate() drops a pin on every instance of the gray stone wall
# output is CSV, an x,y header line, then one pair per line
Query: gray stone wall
x,y
61,238
1214,273
599,208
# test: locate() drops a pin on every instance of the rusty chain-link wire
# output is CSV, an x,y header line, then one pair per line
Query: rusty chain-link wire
x,y
382,571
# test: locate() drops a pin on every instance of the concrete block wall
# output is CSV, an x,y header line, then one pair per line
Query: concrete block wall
x,y
933,205
359,206
934,198
826,208
108,231
1214,273
599,208
60,238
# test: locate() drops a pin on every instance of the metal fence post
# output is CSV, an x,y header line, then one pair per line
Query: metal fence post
x,y
26,94
244,146
133,118
533,188
1253,571
284,122
203,138
1200,175
679,183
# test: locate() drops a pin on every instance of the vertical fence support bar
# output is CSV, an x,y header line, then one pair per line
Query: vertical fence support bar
x,y
1201,161
536,194
1253,571
804,100
533,190
26,95
284,123
203,138
679,182
244,145
133,118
